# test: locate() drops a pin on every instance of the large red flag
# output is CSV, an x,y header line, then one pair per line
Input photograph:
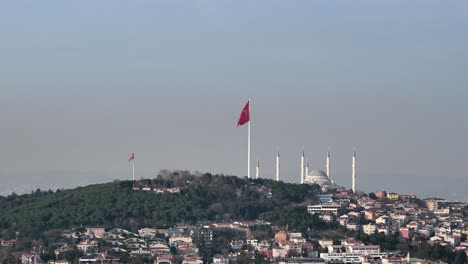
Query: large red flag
x,y
244,115
132,157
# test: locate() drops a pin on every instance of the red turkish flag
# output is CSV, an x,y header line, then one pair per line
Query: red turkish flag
x,y
244,115
132,157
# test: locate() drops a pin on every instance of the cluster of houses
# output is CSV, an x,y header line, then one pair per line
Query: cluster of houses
x,y
99,245
156,189
435,220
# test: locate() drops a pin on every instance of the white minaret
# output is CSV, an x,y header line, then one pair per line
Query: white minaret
x,y
257,172
277,166
306,170
302,166
328,165
354,172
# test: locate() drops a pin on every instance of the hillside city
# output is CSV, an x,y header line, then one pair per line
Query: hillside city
x,y
378,227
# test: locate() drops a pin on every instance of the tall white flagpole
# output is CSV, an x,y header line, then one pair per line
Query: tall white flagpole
x,y
248,145
278,166
133,168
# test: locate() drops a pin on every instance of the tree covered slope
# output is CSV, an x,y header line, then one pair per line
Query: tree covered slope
x,y
205,197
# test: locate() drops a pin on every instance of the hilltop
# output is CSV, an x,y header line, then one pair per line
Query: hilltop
x,y
138,204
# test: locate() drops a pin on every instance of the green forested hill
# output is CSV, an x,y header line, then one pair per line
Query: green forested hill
x,y
205,197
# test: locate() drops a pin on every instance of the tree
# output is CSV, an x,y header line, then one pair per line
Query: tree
x,y
72,255
460,257
243,258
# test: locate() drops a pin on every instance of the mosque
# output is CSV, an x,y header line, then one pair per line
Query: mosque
x,y
308,176
322,178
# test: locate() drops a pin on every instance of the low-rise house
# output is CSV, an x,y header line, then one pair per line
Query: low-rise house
x,y
88,246
325,242
453,240
279,252
147,232
159,249
186,239
383,229
173,190
105,257
413,225
354,226
8,243
237,245
393,196
336,249
369,229
63,249
281,237
192,261
425,231
384,219
369,215
406,198
343,220
140,252
253,242
218,259
87,259
406,233
96,231
171,232
60,261
117,231
114,239
30,258
158,190
296,248
381,194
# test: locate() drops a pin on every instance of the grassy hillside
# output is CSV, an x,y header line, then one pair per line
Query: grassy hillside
x,y
205,197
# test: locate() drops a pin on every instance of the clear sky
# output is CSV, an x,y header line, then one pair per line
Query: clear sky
x,y
85,83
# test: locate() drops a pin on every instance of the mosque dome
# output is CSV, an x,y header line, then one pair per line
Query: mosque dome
x,y
318,177
317,173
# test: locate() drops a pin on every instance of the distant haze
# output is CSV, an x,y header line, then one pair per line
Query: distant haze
x,y
84,84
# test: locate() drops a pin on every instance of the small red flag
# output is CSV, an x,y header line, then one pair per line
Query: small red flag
x,y
244,115
132,157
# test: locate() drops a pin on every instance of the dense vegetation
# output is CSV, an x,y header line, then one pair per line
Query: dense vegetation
x,y
437,252
203,198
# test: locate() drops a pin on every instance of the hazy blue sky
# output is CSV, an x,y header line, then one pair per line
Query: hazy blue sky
x,y
85,83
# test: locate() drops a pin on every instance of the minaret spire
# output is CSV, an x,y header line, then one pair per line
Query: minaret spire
x,y
354,171
257,172
278,166
302,166
306,170
328,164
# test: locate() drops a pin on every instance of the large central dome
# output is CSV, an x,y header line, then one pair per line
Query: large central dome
x,y
317,173
318,177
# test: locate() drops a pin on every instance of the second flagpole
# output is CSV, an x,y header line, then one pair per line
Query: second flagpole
x,y
248,144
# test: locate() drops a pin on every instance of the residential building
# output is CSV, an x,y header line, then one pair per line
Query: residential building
x,y
326,208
